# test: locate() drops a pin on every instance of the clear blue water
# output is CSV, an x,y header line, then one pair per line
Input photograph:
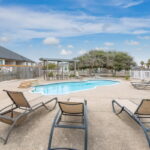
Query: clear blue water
x,y
69,87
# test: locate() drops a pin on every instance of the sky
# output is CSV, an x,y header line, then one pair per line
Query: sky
x,y
70,28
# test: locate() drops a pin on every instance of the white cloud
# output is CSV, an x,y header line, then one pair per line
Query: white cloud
x,y
97,48
60,46
90,4
109,44
81,52
70,46
51,41
27,24
131,42
4,39
141,32
125,3
65,52
105,48
132,3
100,48
144,37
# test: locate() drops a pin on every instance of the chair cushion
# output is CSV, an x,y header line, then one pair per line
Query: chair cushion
x,y
71,107
144,107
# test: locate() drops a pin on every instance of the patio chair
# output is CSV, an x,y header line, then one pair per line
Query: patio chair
x,y
15,113
139,113
141,85
77,109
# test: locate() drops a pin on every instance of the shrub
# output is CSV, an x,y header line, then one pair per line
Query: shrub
x,y
127,77
50,74
72,76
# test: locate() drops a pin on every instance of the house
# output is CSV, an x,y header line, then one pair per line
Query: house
x,y
8,57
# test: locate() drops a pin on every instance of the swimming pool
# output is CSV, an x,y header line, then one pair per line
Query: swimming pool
x,y
70,87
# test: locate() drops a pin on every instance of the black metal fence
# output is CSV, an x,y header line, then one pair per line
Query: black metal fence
x,y
19,72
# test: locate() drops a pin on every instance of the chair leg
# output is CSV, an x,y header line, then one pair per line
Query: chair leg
x,y
46,107
86,127
52,131
11,128
147,136
54,99
8,134
143,127
50,138
113,106
86,139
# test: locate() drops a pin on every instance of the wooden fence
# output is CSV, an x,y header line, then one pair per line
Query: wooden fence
x,y
18,72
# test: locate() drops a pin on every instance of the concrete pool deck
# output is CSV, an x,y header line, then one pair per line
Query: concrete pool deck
x,y
106,130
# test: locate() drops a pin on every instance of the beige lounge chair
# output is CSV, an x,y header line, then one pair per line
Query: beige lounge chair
x,y
15,113
140,113
141,85
77,109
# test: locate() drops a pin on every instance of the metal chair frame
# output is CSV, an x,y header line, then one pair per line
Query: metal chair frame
x,y
135,116
26,110
83,126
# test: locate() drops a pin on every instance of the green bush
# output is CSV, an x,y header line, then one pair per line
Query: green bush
x,y
127,77
50,74
72,76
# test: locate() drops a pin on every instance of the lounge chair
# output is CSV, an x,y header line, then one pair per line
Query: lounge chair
x,y
15,113
140,113
141,85
69,108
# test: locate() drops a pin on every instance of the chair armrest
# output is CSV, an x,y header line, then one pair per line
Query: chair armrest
x,y
6,117
36,105
11,105
55,98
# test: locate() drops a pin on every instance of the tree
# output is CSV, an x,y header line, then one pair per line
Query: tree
x,y
92,59
50,66
110,60
148,64
142,64
122,61
113,60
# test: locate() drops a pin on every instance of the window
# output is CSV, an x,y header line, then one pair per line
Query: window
x,y
1,62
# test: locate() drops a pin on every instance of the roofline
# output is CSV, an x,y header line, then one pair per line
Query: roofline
x,y
57,59
22,58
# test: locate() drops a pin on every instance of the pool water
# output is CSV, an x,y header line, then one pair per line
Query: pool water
x,y
69,87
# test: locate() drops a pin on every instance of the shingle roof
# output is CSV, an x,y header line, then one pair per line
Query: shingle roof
x,y
7,54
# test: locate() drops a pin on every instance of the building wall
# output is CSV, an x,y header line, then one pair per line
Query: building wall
x,y
13,62
21,63
10,62
25,63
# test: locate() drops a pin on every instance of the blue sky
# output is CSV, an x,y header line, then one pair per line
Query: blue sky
x,y
69,28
